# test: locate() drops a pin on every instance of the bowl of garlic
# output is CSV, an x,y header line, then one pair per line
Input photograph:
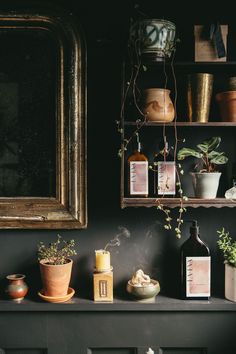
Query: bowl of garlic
x,y
142,287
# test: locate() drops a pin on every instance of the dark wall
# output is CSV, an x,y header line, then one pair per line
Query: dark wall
x,y
105,26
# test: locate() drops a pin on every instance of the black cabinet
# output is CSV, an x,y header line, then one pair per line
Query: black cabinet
x,y
168,326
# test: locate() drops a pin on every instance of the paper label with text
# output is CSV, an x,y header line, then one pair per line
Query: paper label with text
x,y
139,177
198,276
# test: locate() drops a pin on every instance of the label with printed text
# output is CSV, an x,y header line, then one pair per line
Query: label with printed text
x,y
198,276
139,177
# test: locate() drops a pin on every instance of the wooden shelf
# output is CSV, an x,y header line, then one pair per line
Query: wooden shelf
x,y
190,63
184,124
161,303
175,202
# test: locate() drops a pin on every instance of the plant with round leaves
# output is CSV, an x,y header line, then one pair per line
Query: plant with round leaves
x,y
206,152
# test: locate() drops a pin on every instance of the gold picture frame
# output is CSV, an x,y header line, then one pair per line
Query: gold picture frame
x,y
68,208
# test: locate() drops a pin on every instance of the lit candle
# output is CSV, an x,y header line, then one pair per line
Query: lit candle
x,y
102,260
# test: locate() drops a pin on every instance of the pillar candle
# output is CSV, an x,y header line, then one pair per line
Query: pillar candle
x,y
102,260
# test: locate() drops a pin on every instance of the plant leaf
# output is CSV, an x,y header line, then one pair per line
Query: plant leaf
x,y
219,160
185,152
214,153
210,144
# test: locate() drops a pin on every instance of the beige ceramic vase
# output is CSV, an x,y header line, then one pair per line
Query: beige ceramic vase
x,y
158,106
55,278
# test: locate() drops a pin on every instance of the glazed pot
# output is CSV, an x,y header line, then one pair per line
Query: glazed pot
x,y
55,278
227,105
206,184
16,288
144,293
230,282
158,106
156,38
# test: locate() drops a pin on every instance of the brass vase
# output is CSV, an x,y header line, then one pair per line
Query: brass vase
x,y
199,93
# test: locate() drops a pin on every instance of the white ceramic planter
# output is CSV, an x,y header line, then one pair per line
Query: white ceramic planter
x,y
230,283
206,184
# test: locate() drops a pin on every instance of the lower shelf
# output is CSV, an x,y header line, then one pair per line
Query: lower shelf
x,y
175,202
162,303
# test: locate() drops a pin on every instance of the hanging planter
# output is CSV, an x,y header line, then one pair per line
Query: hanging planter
x,y
156,38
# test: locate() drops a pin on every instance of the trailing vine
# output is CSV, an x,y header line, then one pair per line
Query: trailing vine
x,y
136,66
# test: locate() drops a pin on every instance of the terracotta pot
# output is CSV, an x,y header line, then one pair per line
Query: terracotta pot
x,y
16,288
206,184
158,106
55,278
227,105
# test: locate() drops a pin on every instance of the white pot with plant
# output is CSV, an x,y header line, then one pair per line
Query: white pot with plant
x,y
55,266
206,181
228,248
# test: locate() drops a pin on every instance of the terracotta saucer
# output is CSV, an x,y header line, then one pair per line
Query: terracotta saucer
x,y
63,298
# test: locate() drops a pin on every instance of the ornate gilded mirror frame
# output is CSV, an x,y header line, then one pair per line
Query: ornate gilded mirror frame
x,y
68,209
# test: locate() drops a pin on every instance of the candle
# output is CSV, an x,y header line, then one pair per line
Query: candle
x,y
102,260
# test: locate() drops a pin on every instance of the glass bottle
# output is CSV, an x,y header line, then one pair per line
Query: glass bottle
x,y
195,267
138,172
164,178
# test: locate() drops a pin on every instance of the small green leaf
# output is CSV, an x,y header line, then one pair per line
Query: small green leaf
x,y
219,160
210,144
185,152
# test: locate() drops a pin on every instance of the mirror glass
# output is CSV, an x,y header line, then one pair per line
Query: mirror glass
x,y
27,113
42,121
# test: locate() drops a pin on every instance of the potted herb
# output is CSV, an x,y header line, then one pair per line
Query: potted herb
x,y
228,248
206,181
56,266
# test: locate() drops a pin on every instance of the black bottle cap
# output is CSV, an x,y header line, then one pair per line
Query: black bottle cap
x,y
194,229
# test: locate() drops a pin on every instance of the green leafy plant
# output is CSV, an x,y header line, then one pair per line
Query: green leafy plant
x,y
227,246
57,252
206,152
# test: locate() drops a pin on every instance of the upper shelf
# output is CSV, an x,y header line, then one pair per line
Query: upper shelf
x,y
175,202
184,124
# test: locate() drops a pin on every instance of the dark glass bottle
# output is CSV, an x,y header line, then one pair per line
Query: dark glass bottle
x,y
138,172
164,175
195,267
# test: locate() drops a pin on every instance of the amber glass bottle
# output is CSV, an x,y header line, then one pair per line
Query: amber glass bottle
x,y
138,172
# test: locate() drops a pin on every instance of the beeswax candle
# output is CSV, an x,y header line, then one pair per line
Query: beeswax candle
x,y
102,260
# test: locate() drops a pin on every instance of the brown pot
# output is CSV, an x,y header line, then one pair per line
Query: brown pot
x,y
158,106
55,278
16,288
227,105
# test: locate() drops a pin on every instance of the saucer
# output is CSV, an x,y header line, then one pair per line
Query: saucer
x,y
63,298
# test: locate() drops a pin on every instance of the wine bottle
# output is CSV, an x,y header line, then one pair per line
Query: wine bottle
x,y
195,267
164,171
138,172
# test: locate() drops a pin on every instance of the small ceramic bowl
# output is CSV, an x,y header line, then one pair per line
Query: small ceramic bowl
x,y
144,293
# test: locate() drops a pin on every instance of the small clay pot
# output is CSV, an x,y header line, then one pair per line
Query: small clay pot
x,y
16,288
158,106
227,105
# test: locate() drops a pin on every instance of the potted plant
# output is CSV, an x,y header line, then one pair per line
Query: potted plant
x,y
228,248
56,266
206,181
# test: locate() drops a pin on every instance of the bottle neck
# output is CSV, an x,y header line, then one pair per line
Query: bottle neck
x,y
194,235
139,147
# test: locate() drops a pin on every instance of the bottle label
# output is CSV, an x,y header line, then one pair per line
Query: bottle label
x,y
166,178
198,276
139,177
